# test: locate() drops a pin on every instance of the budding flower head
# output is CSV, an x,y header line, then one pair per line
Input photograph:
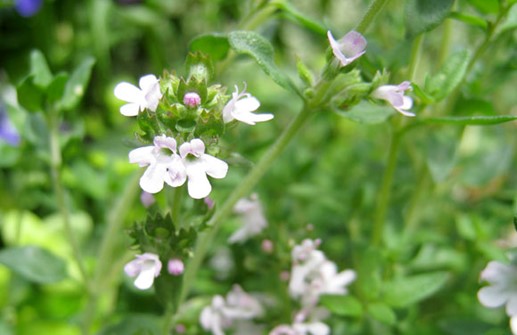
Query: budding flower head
x,y
175,266
191,99
348,48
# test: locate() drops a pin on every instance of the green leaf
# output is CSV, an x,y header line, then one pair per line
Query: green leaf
x,y
449,76
56,88
76,85
259,48
215,44
135,324
382,312
422,95
367,113
34,264
343,305
425,15
472,20
476,120
293,14
30,95
403,292
486,6
39,69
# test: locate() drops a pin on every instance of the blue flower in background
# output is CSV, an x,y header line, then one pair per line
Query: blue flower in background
x,y
28,8
8,133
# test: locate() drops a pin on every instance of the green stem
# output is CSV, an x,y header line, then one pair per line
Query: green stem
x,y
416,53
55,167
115,220
167,319
372,11
242,190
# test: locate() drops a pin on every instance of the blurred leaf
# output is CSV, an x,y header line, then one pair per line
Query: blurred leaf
x,y
215,44
476,120
382,312
57,88
343,305
405,291
5,329
367,113
300,18
76,85
34,264
29,95
468,326
422,95
39,70
449,76
425,15
135,324
511,20
486,6
472,20
441,145
256,46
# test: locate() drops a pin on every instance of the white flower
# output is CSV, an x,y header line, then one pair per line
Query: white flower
x,y
198,165
147,96
300,328
164,164
502,289
222,313
252,216
241,106
348,48
313,274
395,96
145,268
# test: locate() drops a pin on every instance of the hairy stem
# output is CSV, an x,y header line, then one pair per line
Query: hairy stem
x,y
372,11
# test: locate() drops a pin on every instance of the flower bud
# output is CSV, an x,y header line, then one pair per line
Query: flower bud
x,y
175,267
191,99
267,246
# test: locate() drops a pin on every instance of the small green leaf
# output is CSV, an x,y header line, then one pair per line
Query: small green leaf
x,y
486,6
76,85
449,76
30,95
56,88
367,113
472,20
259,48
39,69
382,312
476,120
425,15
343,305
34,264
421,94
403,292
216,45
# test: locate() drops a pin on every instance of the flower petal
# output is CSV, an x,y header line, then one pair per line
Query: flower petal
x,y
353,44
176,173
251,118
198,185
215,167
492,296
153,178
128,92
146,278
131,109
147,82
248,104
143,156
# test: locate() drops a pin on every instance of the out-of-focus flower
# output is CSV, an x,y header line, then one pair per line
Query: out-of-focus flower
x,y
147,199
145,268
252,217
164,164
222,313
147,96
348,48
300,328
198,165
191,99
241,107
502,289
313,274
267,246
27,8
394,95
175,266
7,131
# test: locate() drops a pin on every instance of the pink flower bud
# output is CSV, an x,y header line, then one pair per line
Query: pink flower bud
x,y
192,99
175,267
267,246
147,199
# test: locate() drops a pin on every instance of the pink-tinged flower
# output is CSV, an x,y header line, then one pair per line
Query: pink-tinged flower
x,y
163,164
147,199
198,165
223,313
146,97
252,216
241,106
145,268
191,99
267,246
348,48
175,266
395,96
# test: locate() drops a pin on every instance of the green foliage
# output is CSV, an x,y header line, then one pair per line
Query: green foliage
x,y
342,305
422,16
449,76
406,291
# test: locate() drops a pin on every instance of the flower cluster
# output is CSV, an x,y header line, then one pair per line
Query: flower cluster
x,y
236,311
180,116
352,46
252,216
147,267
502,289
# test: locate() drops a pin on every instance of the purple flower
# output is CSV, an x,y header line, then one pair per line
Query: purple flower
x,y
27,8
348,48
7,131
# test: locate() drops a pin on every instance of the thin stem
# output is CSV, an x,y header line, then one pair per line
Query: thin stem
x,y
242,190
55,167
167,319
372,11
416,53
